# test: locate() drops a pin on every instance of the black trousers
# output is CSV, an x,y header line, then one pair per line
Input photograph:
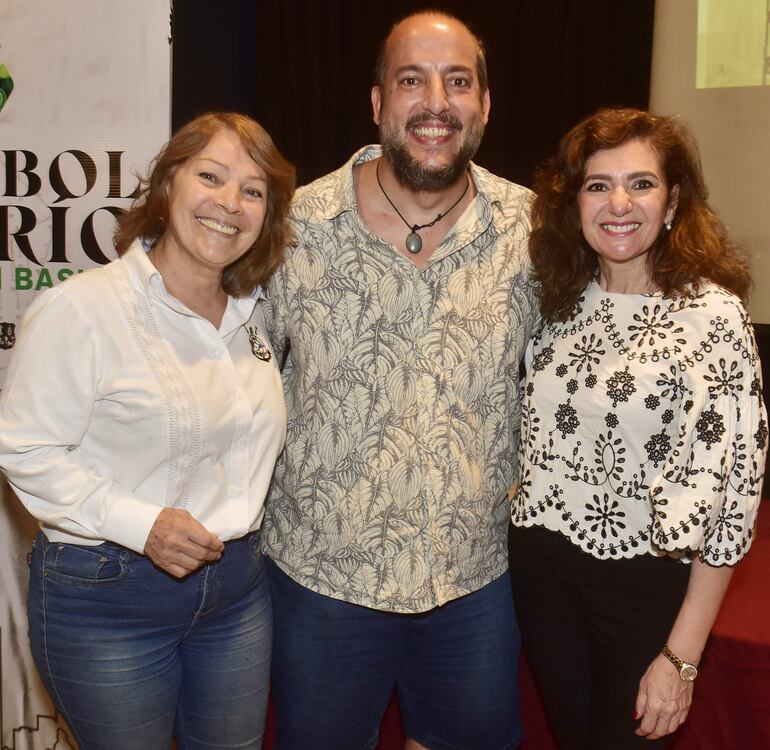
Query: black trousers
x,y
590,629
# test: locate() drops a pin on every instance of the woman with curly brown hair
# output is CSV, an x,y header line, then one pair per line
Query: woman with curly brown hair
x,y
643,431
140,421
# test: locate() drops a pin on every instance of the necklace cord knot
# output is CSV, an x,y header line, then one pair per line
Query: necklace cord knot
x,y
413,240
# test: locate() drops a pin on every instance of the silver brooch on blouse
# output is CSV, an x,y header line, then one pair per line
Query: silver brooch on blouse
x,y
258,347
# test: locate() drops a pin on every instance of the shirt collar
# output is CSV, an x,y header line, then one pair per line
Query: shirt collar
x,y
237,312
478,218
345,196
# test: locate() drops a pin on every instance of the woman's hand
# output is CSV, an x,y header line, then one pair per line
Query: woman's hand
x,y
663,700
178,544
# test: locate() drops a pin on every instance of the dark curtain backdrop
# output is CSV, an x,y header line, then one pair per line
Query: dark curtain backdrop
x,y
304,69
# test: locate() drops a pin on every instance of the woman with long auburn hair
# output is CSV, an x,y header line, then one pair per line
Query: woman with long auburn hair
x,y
643,432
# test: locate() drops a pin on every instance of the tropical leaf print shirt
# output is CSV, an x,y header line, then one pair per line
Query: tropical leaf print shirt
x,y
643,427
403,398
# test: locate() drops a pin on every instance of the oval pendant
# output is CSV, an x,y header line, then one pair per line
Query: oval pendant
x,y
413,243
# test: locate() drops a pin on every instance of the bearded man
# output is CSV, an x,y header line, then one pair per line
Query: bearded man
x,y
406,303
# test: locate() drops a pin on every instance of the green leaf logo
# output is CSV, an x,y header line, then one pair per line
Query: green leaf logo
x,y
6,86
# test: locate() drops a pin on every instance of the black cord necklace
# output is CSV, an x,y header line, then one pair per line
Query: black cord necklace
x,y
413,240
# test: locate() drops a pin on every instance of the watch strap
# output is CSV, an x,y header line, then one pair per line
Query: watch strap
x,y
688,672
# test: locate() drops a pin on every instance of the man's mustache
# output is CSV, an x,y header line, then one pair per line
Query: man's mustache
x,y
444,118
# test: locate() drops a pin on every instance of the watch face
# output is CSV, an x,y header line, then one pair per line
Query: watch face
x,y
688,672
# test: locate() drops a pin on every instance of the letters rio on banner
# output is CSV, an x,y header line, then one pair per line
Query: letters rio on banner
x,y
84,106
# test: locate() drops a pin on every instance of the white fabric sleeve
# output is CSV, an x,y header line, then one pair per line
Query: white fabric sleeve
x,y
708,496
51,387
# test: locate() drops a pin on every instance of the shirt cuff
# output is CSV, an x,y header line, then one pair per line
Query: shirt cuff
x,y
129,521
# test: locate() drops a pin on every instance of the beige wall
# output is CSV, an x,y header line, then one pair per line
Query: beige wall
x,y
733,130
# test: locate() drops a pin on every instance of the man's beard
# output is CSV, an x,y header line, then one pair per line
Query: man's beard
x,y
419,178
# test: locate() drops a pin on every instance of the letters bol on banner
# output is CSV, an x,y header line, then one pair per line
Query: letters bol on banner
x,y
38,228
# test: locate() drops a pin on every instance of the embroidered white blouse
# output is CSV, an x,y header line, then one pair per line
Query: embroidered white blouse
x,y
120,401
643,427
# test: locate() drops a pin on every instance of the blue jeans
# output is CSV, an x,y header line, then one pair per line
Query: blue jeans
x,y
335,665
131,655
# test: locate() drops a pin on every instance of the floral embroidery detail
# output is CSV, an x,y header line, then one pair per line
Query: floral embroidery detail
x,y
672,385
604,515
566,420
652,401
729,523
679,465
586,352
609,456
543,359
620,386
726,383
657,447
761,434
710,427
653,325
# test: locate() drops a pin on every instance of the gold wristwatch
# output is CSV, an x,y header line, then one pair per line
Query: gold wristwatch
x,y
687,672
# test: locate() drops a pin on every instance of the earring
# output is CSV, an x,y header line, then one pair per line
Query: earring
x,y
668,225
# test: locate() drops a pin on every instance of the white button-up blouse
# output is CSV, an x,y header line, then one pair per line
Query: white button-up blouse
x,y
120,401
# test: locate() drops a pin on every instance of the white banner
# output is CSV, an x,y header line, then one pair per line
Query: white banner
x,y
85,89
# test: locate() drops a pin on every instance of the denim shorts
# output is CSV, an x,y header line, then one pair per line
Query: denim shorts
x,y
132,655
335,666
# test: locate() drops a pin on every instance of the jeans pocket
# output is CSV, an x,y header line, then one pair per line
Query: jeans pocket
x,y
75,563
